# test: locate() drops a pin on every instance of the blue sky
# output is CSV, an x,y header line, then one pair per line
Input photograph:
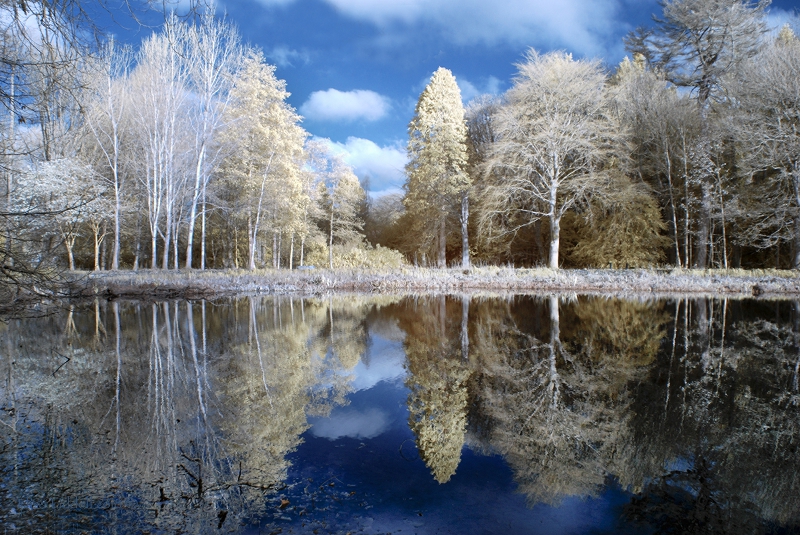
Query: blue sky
x,y
355,68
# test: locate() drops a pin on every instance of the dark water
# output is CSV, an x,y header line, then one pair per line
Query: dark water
x,y
402,415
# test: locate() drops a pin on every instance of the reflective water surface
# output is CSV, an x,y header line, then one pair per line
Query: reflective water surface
x,y
438,414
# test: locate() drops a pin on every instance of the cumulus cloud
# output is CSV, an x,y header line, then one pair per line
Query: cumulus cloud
x,y
385,166
283,56
581,25
335,105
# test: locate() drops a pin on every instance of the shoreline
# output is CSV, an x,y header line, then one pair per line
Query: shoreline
x,y
195,284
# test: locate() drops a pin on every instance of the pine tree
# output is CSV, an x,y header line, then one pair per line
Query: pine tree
x,y
437,177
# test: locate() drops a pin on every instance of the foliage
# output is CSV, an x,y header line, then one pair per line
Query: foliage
x,y
625,230
437,168
555,136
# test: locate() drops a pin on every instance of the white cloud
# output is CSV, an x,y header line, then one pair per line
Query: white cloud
x,y
385,166
582,25
335,105
490,85
283,56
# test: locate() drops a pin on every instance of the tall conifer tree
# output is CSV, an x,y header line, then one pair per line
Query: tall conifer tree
x,y
437,178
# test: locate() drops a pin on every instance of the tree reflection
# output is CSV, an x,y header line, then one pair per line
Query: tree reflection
x,y
437,379
728,412
179,417
158,417
550,412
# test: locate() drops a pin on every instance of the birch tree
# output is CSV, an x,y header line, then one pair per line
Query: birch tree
x,y
554,136
106,120
437,168
159,98
214,57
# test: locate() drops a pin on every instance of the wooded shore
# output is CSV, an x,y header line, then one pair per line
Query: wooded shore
x,y
656,282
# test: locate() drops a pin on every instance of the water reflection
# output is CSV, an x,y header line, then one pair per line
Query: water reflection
x,y
187,417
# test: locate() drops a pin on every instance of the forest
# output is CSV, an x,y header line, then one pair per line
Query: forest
x,y
183,153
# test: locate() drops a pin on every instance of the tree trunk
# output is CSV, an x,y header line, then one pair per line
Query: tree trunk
x,y
97,240
302,250
672,207
555,232
167,238
796,255
203,232
274,250
464,230
330,243
701,256
70,256
442,257
251,245
291,253
153,250
193,208
117,210
278,250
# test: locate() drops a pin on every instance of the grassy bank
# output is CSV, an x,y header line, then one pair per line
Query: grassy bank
x,y
200,284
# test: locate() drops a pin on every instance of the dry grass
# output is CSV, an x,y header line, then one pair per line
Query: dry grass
x,y
199,284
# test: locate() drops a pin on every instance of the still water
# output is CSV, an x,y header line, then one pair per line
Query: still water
x,y
438,414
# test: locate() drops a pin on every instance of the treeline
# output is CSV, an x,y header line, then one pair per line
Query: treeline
x,y
183,153
688,154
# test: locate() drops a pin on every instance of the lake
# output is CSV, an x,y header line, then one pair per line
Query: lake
x,y
418,414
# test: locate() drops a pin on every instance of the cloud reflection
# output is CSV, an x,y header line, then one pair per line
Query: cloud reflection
x,y
351,423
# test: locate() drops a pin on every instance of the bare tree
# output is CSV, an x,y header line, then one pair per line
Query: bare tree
x,y
214,55
105,119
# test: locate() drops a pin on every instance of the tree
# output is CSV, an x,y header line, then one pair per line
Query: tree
x,y
214,54
766,92
554,137
697,41
625,230
69,195
105,119
264,170
159,88
341,197
437,168
694,44
663,129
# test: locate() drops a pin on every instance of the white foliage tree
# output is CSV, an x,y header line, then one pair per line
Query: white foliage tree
x,y
554,136
214,58
159,91
264,170
437,168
